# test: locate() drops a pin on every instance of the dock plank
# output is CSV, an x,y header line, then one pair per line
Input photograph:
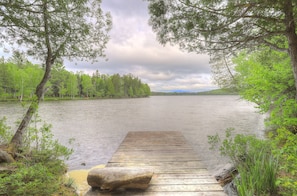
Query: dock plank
x,y
177,168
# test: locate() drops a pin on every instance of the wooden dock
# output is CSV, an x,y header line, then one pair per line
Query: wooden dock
x,y
177,169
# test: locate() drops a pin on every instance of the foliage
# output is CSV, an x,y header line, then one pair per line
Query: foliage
x,y
20,82
225,26
34,179
49,31
5,132
40,145
223,73
255,163
55,29
39,167
265,78
17,81
257,175
285,147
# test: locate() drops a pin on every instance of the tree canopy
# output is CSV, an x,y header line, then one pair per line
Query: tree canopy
x,y
207,25
71,29
224,28
18,82
265,78
50,30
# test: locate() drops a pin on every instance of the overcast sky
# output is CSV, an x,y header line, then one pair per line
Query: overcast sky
x,y
133,49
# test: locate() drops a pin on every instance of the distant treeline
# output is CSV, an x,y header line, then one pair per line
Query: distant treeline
x,y
19,80
211,92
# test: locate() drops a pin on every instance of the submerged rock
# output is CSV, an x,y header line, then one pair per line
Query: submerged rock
x,y
112,178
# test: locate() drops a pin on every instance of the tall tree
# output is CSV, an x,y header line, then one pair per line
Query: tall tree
x,y
72,85
50,30
223,27
58,78
18,58
87,86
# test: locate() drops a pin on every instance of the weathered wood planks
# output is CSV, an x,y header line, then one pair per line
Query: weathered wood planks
x,y
177,169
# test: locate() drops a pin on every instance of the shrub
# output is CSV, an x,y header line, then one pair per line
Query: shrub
x,y
285,147
34,180
40,165
255,163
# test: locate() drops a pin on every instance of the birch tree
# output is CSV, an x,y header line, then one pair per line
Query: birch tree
x,y
50,30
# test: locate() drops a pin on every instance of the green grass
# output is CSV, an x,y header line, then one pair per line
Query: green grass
x,y
256,164
39,168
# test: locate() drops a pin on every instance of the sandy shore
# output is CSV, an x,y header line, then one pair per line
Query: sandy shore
x,y
80,179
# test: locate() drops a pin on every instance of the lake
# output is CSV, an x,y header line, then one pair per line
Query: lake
x,y
99,126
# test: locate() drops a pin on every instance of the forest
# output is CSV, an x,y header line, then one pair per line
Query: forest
x,y
252,47
19,78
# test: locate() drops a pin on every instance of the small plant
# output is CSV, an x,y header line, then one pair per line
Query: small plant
x,y
285,147
255,163
257,175
40,146
69,182
34,180
5,132
40,165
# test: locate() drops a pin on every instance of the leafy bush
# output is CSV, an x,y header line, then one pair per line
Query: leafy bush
x,y
40,144
265,77
255,163
39,167
285,147
33,180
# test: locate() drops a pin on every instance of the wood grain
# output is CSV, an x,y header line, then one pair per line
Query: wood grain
x,y
177,169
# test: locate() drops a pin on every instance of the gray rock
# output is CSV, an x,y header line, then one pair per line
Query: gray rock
x,y
112,178
230,189
5,157
226,174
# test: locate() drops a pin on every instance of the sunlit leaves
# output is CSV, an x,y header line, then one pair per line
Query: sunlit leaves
x,y
265,77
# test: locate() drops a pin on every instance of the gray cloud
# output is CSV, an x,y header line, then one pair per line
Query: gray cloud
x,y
133,49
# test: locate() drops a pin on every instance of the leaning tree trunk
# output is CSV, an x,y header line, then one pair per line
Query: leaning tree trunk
x,y
17,139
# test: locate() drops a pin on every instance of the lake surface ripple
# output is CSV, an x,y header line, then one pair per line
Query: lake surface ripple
x,y
99,126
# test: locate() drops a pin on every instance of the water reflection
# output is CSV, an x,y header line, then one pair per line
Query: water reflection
x,y
99,126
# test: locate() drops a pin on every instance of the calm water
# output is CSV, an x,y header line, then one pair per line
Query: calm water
x,y
99,126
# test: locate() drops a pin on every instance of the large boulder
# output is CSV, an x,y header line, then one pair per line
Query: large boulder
x,y
112,178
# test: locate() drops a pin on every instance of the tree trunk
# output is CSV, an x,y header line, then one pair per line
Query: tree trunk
x,y
292,38
17,139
